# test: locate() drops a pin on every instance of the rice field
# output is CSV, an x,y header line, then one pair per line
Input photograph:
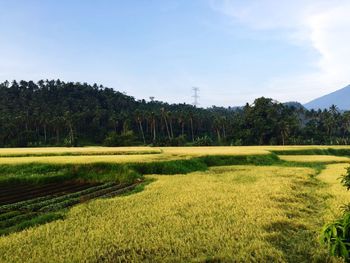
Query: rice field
x,y
227,213
81,159
95,150
236,210
115,155
81,155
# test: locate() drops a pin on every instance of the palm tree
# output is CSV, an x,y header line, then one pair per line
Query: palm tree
x,y
169,115
153,126
162,110
190,115
139,118
181,121
217,127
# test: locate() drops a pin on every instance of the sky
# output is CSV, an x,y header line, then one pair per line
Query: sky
x,y
233,50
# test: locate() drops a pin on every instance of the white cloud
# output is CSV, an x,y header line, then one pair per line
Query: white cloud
x,y
321,25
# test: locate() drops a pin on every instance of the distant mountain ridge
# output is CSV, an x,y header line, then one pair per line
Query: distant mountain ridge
x,y
339,98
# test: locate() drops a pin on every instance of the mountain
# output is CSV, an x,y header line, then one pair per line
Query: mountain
x,y
340,98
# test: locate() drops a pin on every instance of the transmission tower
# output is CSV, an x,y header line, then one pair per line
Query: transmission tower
x,y
195,96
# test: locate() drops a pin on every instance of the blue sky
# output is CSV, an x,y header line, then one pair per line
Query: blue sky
x,y
234,50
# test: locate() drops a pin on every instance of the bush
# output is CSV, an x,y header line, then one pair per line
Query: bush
x,y
203,141
125,139
336,235
178,141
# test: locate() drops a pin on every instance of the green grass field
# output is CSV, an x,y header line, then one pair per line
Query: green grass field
x,y
201,204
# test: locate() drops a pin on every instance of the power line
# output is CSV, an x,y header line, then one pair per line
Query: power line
x,y
195,96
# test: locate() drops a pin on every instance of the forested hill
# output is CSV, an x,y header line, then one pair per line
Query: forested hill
x,y
58,113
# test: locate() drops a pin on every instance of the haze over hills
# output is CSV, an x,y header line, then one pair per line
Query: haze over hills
x,y
340,98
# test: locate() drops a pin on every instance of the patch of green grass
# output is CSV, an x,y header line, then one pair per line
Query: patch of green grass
x,y
315,151
318,167
38,173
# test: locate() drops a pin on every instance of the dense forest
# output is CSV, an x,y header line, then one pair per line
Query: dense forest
x,y
54,112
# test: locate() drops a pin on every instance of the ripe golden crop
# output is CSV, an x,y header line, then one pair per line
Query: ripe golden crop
x,y
236,213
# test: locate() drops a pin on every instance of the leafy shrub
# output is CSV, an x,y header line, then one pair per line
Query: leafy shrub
x,y
125,139
203,141
346,179
178,141
237,142
336,235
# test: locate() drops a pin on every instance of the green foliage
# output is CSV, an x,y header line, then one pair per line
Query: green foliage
x,y
346,179
336,235
224,160
38,220
126,139
9,215
37,173
17,219
169,167
237,142
203,141
178,141
315,151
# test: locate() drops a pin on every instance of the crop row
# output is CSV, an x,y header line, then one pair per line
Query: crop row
x,y
18,195
71,200
119,191
36,203
17,219
37,206
31,221
9,215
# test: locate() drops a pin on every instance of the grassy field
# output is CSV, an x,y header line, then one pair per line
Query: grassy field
x,y
247,205
83,155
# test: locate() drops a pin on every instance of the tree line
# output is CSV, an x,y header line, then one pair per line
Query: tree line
x,y
57,113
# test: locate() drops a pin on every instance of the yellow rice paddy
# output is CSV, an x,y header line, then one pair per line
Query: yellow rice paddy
x,y
229,214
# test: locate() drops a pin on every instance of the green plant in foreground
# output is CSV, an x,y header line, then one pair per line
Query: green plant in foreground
x,y
336,235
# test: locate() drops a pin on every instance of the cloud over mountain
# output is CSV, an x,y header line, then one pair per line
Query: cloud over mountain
x,y
321,26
